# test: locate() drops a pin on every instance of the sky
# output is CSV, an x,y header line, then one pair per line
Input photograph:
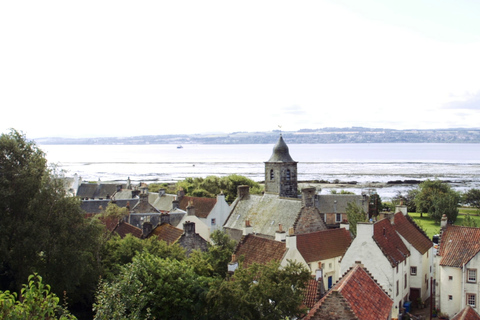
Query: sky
x,y
97,68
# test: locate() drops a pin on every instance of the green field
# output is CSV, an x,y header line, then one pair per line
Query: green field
x,y
431,228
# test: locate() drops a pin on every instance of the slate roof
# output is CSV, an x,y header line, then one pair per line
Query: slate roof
x,y
203,206
467,313
166,232
265,213
324,244
362,294
326,202
96,191
163,202
259,250
389,242
280,152
143,206
97,206
408,229
458,245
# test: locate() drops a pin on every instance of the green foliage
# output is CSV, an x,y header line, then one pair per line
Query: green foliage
x,y
437,198
355,214
155,187
37,302
408,199
212,185
468,221
152,288
260,292
43,229
472,198
114,211
334,191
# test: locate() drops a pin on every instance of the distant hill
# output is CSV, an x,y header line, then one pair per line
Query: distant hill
x,y
324,135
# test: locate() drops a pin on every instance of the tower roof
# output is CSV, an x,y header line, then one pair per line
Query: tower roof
x,y
280,152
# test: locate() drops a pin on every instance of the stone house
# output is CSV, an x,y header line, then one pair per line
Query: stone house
x,y
190,240
458,262
333,207
355,296
381,250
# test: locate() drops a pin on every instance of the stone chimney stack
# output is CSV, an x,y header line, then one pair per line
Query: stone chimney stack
x,y
147,227
143,197
443,222
165,218
291,239
401,208
243,191
180,194
162,192
175,204
248,228
189,228
233,265
280,234
190,209
308,197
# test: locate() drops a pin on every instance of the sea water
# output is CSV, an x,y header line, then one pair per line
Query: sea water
x,y
363,163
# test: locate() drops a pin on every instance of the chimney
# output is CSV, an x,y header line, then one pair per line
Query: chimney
x,y
175,204
190,209
291,239
243,191
364,230
143,197
344,224
401,208
280,234
233,265
189,228
443,222
180,194
147,227
318,272
165,218
248,228
119,187
308,197
220,197
161,192
129,184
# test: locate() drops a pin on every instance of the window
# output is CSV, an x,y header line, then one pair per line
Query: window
x,y
471,275
397,268
288,175
397,288
413,271
272,175
450,278
450,297
338,217
472,300
213,221
405,279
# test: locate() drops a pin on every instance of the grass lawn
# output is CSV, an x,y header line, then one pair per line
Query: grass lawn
x,y
431,228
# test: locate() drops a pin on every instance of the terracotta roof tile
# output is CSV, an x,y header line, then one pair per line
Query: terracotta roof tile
x,y
203,206
389,242
259,250
311,293
167,232
467,313
412,233
324,244
458,245
364,296
124,228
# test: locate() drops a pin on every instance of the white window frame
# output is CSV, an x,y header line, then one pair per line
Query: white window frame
x,y
413,271
472,275
471,300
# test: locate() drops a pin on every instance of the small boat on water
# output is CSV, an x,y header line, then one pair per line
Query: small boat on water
x,y
179,147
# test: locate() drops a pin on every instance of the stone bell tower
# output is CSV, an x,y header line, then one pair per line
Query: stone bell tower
x,y
281,172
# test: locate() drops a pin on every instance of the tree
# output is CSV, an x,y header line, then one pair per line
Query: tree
x,y
152,288
43,229
437,198
355,214
260,292
408,199
468,221
36,302
472,198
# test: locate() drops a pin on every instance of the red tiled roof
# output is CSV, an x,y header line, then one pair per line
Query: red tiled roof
x,y
389,242
110,222
203,206
311,293
412,233
166,232
467,313
124,228
458,245
259,250
324,244
363,295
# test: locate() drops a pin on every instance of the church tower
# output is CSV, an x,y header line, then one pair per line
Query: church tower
x,y
281,172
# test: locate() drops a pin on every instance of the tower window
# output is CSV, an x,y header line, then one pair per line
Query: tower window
x,y
288,174
272,175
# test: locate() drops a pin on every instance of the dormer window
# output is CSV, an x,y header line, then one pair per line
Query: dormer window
x,y
272,175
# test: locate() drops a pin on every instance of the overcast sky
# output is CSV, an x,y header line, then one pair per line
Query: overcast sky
x,y
123,68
